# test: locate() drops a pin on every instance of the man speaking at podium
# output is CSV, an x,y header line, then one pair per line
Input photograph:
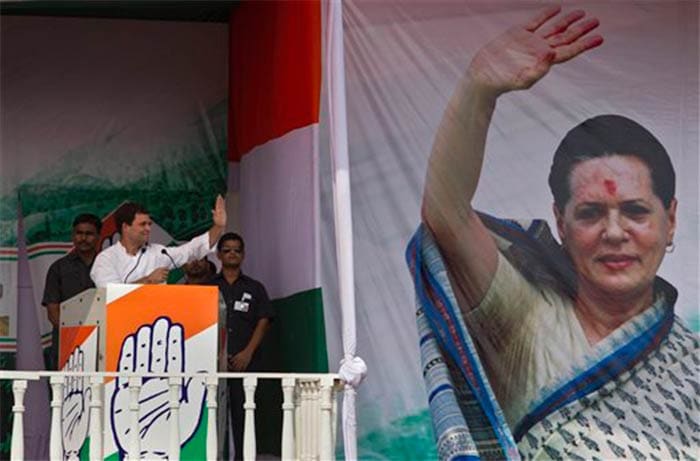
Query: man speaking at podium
x,y
134,260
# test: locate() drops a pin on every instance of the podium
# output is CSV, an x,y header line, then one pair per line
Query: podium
x,y
144,329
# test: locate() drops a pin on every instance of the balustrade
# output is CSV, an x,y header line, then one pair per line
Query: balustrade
x,y
308,411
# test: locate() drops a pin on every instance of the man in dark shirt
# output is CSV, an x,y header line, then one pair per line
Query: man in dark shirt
x,y
70,274
199,271
248,316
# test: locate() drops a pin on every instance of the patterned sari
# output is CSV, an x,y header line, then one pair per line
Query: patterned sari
x,y
636,397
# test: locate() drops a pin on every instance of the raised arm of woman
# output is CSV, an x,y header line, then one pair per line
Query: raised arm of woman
x,y
515,60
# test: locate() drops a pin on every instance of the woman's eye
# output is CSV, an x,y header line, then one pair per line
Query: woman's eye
x,y
635,210
587,213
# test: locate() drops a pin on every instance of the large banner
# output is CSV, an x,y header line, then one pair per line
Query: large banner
x,y
403,62
96,112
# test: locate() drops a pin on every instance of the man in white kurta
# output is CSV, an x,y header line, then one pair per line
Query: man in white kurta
x,y
134,260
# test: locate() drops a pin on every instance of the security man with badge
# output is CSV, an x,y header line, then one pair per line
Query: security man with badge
x,y
248,317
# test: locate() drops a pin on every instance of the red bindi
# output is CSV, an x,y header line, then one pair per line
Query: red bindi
x,y
610,186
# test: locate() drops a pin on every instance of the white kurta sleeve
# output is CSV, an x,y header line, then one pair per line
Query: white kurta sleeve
x,y
196,248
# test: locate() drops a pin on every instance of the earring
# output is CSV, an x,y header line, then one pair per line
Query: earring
x,y
670,247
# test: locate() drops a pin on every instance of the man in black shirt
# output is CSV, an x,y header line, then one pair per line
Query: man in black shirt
x,y
248,316
199,271
70,274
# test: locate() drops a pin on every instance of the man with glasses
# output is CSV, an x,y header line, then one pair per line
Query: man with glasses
x,y
248,316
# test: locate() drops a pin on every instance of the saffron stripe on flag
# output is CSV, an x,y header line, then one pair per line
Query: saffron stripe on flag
x,y
275,71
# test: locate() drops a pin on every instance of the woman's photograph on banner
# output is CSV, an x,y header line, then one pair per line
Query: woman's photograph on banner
x,y
563,342
477,218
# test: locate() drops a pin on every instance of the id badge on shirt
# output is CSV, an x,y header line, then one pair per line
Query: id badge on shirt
x,y
243,305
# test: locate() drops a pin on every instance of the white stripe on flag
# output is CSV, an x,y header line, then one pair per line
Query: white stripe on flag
x,y
278,212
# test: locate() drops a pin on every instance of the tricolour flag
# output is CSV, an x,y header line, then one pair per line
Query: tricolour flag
x,y
275,84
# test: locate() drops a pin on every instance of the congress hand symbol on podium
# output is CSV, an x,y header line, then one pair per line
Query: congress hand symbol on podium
x,y
75,413
157,348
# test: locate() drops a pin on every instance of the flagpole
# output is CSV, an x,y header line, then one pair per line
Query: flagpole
x,y
352,368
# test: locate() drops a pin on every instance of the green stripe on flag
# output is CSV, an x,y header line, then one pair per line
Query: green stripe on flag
x,y
301,332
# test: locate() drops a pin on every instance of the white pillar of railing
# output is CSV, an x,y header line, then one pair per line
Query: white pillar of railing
x,y
334,418
249,447
212,440
96,417
174,442
305,428
315,416
325,450
309,416
19,387
298,429
288,450
134,439
55,436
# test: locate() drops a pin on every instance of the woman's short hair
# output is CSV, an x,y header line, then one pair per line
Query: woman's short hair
x,y
608,135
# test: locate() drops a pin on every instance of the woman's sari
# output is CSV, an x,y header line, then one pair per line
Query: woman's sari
x,y
636,398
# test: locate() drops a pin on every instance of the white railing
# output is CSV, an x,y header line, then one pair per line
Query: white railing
x,y
309,409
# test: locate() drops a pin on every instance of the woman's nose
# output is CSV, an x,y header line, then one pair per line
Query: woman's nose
x,y
614,229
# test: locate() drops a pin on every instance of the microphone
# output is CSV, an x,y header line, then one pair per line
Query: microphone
x,y
138,260
165,252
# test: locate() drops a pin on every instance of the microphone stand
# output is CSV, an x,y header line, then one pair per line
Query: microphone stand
x,y
138,260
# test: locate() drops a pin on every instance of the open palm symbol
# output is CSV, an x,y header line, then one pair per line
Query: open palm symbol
x,y
157,348
75,414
